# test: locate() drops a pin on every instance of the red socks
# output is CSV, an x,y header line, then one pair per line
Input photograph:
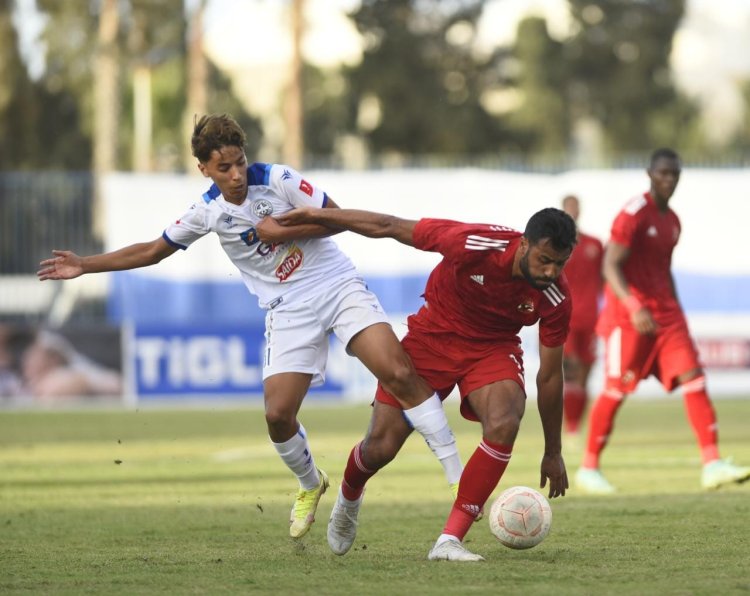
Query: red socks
x,y
480,477
601,421
356,475
574,403
702,417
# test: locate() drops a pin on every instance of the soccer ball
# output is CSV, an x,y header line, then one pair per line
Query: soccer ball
x,y
520,517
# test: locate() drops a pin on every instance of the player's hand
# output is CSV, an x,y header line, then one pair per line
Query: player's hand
x,y
643,322
64,265
295,217
269,230
553,468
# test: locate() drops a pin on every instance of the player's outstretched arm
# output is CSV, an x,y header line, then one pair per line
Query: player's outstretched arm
x,y
549,382
365,223
68,265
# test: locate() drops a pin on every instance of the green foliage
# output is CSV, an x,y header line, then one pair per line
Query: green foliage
x,y
428,89
542,120
50,121
621,75
198,503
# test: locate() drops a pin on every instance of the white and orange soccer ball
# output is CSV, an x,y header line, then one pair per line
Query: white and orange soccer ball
x,y
520,517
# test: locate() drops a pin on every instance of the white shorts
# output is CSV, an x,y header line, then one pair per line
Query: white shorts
x,y
297,334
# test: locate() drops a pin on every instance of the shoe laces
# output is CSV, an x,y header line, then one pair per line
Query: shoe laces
x,y
343,520
304,501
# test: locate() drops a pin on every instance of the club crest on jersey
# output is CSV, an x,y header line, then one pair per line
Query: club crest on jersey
x,y
262,208
526,306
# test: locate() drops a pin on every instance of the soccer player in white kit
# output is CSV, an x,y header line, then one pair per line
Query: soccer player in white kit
x,y
308,287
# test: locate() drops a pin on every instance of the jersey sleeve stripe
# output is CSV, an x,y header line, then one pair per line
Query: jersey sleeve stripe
x,y
554,295
172,242
325,199
482,243
211,193
259,174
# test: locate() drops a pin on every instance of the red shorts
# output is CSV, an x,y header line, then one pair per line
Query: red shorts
x,y
581,345
630,356
445,361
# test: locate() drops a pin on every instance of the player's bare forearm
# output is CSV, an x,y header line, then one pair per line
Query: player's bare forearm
x,y
614,257
549,403
270,231
365,223
68,265
549,383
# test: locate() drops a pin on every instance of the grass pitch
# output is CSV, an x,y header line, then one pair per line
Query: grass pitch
x,y
197,502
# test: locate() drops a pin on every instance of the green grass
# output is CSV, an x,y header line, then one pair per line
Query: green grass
x,y
199,505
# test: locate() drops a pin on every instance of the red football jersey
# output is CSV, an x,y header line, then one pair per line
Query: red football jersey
x,y
472,293
584,274
651,236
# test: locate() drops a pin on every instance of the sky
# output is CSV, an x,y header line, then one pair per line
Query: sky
x,y
711,49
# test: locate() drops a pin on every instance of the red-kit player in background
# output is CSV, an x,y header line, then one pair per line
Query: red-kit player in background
x,y
584,274
491,282
645,330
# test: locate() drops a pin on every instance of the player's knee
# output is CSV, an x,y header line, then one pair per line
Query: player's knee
x,y
503,427
401,379
280,421
378,451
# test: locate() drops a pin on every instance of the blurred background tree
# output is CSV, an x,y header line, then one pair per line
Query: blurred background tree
x,y
621,76
50,121
424,86
418,88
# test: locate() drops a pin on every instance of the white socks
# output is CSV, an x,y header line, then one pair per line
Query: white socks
x,y
297,456
429,420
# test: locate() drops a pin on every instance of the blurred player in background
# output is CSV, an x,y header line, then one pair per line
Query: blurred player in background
x,y
491,282
584,274
307,285
645,329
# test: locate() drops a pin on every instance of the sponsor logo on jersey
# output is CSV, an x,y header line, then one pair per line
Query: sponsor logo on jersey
x,y
526,306
651,232
289,265
286,175
262,208
474,242
306,187
478,278
229,221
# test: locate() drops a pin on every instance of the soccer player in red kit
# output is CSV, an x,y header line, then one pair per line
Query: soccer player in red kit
x,y
491,282
645,330
584,274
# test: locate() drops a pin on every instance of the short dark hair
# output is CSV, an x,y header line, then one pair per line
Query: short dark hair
x,y
553,224
663,152
214,131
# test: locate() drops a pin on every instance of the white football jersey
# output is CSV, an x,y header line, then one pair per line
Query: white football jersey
x,y
275,273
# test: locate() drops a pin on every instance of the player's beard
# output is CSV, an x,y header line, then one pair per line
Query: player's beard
x,y
538,283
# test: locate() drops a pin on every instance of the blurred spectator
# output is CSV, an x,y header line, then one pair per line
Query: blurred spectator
x,y
52,368
10,379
